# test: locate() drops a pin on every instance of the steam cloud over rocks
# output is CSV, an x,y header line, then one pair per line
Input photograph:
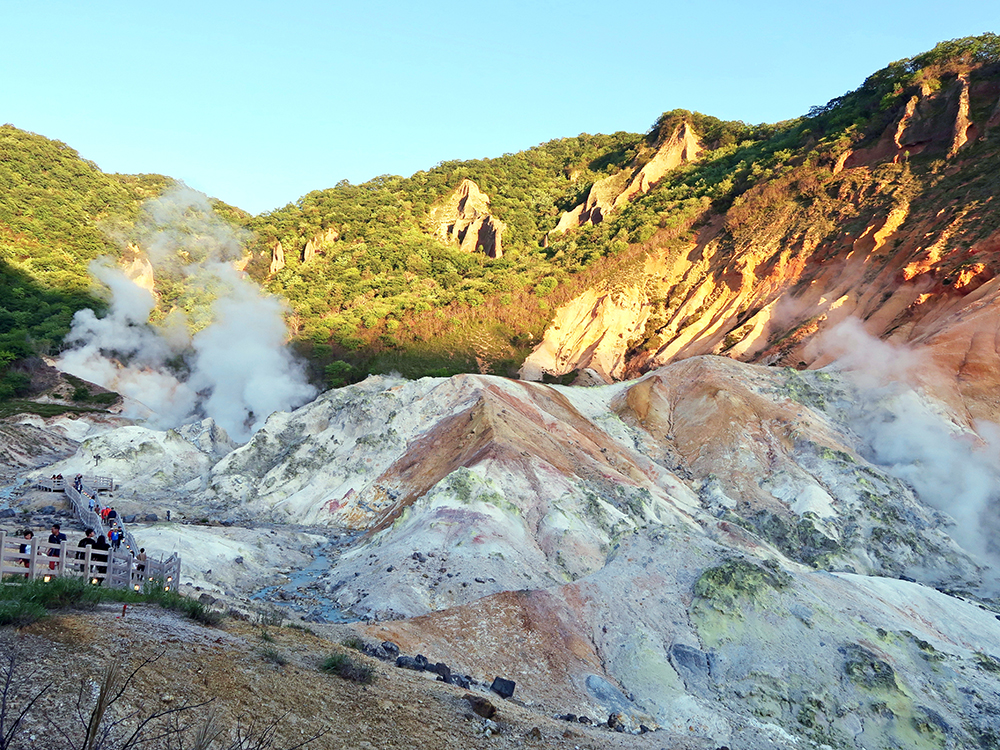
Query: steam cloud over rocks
x,y
952,467
236,369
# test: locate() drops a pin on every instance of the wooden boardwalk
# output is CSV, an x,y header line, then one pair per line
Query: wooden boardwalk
x,y
120,571
115,568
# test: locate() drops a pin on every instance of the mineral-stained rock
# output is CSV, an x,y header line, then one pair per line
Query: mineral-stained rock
x,y
481,705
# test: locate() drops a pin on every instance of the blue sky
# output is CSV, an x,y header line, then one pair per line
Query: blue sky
x,y
257,103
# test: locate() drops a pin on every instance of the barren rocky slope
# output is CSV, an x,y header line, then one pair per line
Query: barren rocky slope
x,y
235,669
732,553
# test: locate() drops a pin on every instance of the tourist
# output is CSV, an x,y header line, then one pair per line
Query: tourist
x,y
100,555
141,560
25,548
87,541
56,537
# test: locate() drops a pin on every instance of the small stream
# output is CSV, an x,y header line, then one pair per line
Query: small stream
x,y
303,594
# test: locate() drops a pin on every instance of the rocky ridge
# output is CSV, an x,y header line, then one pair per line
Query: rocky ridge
x,y
897,231
611,193
465,219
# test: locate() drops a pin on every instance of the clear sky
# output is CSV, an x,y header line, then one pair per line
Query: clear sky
x,y
257,103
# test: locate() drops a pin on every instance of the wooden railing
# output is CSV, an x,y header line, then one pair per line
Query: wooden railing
x,y
109,568
58,485
115,568
91,519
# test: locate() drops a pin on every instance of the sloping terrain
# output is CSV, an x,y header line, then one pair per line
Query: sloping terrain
x,y
233,676
727,551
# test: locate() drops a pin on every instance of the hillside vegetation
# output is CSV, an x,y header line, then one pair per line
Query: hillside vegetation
x,y
374,287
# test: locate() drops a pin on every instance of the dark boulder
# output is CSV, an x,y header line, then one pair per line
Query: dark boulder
x,y
408,662
503,687
462,680
390,648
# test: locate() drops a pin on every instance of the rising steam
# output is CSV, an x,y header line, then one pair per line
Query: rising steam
x,y
236,369
952,467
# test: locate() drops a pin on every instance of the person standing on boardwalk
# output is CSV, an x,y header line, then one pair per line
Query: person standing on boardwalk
x,y
26,548
56,538
100,555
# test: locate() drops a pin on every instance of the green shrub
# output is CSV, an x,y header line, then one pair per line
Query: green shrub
x,y
353,642
349,668
273,655
20,613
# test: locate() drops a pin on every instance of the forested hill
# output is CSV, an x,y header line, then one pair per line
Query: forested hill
x,y
461,267
52,205
58,212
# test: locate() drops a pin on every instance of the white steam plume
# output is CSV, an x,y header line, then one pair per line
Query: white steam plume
x,y
239,369
952,468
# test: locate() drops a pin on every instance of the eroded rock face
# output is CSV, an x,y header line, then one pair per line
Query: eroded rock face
x,y
277,258
316,243
611,193
465,219
912,256
149,463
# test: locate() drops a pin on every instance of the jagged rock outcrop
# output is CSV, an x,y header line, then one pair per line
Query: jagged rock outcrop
x,y
930,121
277,257
611,193
316,243
600,322
465,219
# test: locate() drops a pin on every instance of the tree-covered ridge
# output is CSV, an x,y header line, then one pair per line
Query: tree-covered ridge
x,y
389,284
387,288
386,292
57,213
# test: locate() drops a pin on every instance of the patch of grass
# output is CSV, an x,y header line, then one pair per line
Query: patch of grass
x,y
192,608
274,656
349,668
303,628
22,406
20,613
353,642
22,602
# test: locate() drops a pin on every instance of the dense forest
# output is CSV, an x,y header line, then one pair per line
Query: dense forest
x,y
383,291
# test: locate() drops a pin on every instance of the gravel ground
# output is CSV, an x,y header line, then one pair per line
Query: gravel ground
x,y
233,666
